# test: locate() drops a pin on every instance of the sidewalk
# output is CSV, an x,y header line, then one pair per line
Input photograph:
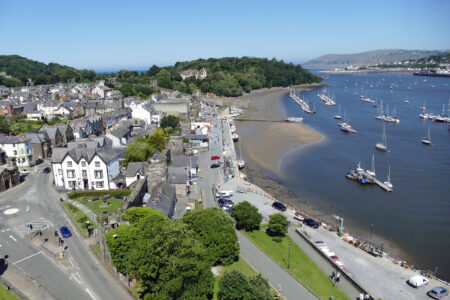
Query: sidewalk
x,y
28,287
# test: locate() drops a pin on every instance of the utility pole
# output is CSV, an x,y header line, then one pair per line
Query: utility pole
x,y
371,230
289,256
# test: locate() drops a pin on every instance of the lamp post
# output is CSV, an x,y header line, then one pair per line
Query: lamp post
x,y
289,256
371,230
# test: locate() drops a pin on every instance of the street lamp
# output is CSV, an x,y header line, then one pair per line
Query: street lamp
x,y
289,256
371,230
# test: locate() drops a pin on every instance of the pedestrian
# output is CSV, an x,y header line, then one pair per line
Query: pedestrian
x,y
338,276
333,274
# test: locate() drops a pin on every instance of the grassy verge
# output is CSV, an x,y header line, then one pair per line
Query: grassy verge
x,y
79,217
301,266
6,295
240,265
96,248
114,204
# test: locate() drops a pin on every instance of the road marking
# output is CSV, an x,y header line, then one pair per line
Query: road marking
x,y
90,294
5,207
74,277
28,208
13,238
25,258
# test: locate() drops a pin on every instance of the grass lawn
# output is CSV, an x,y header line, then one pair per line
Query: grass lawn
x,y
5,294
83,200
114,204
79,217
240,265
301,266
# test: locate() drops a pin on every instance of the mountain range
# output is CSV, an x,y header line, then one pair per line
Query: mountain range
x,y
372,57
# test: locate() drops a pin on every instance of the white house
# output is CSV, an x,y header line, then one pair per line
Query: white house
x,y
18,147
141,112
85,168
135,171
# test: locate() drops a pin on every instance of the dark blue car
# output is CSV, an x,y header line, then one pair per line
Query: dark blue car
x,y
65,232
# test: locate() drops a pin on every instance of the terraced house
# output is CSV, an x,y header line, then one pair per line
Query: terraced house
x,y
19,149
85,168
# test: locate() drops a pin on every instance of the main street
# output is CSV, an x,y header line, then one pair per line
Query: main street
x,y
35,202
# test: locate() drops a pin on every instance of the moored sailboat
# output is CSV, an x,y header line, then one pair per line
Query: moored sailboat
x,y
427,140
382,146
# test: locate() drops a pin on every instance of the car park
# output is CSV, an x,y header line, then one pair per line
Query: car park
x,y
311,223
417,281
280,206
65,232
438,292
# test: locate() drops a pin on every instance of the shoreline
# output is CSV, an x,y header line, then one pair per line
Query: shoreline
x,y
264,167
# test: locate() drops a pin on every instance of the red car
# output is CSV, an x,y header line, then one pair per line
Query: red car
x,y
334,257
215,157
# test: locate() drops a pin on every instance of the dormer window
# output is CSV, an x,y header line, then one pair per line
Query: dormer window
x,y
69,164
83,164
97,164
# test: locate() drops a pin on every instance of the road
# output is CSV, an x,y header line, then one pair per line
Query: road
x,y
35,202
276,275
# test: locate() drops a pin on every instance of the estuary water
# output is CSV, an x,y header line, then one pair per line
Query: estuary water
x,y
414,220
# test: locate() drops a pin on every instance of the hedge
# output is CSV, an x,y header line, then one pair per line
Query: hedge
x,y
76,194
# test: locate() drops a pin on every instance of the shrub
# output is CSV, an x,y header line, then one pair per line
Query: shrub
x,y
247,216
278,225
76,194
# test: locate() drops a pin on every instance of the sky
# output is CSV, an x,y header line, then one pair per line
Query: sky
x,y
112,35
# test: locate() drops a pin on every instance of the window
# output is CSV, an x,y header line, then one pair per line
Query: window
x,y
70,173
69,163
99,184
60,172
15,152
84,173
83,164
97,164
71,184
98,174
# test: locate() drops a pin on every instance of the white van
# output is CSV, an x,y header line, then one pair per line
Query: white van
x,y
226,194
417,281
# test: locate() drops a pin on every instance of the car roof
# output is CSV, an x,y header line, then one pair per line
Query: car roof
x,y
64,227
439,289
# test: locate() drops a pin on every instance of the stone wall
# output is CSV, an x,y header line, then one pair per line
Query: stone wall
x,y
138,190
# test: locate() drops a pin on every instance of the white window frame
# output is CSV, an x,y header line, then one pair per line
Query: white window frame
x,y
99,184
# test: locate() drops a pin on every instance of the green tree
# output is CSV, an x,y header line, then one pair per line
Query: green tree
x,y
215,229
164,80
138,151
120,242
233,286
157,140
153,70
278,224
170,121
247,216
135,214
259,288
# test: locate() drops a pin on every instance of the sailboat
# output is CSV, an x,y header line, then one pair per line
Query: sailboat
x,y
388,181
338,116
424,106
427,141
381,115
382,146
371,172
241,162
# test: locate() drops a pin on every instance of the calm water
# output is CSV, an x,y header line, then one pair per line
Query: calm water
x,y
415,218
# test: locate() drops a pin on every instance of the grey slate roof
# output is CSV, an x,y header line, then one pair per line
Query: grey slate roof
x,y
77,154
133,168
185,161
166,200
178,178
197,137
37,137
13,139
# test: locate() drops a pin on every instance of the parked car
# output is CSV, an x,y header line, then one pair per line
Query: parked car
x,y
46,170
24,171
213,166
278,205
215,157
334,257
438,292
65,232
417,281
311,223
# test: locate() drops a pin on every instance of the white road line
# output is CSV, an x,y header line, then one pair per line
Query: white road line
x,y
25,258
3,230
90,294
74,277
5,207
28,208
13,238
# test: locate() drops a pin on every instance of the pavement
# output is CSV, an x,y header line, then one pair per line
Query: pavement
x,y
76,276
380,276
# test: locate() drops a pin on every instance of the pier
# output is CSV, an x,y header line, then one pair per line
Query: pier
x,y
368,179
301,102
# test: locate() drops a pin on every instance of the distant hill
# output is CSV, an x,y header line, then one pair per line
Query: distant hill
x,y
21,68
372,57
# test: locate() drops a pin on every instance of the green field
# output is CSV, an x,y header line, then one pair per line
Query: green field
x,y
301,266
79,217
114,204
240,265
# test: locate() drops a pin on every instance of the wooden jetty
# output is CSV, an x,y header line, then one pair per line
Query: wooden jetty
x,y
370,179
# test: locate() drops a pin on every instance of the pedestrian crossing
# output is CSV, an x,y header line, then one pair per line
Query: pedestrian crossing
x,y
37,224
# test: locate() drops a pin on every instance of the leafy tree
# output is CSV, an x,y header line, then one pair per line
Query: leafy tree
x,y
136,214
164,79
233,286
120,241
153,70
247,216
259,288
278,224
215,229
157,140
138,151
170,121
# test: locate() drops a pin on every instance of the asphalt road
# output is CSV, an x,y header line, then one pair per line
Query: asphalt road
x,y
36,202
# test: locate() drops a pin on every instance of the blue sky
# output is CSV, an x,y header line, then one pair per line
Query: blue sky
x,y
108,35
